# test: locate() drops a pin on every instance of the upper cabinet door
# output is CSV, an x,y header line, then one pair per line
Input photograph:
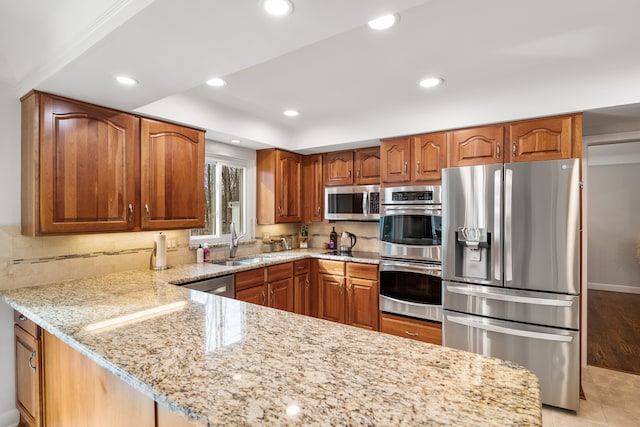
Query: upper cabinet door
x,y
313,185
544,139
478,146
288,187
88,167
429,157
395,160
172,176
367,166
338,168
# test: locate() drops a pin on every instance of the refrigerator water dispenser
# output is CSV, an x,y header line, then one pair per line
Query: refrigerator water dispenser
x,y
473,254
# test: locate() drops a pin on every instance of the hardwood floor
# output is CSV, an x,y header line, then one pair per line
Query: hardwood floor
x,y
613,331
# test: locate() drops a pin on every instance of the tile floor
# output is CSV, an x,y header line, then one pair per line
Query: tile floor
x,y
613,399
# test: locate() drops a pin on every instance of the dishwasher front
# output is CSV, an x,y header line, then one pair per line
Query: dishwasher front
x,y
223,286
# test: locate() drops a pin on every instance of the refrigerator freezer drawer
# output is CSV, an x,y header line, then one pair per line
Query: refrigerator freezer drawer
x,y
551,354
541,308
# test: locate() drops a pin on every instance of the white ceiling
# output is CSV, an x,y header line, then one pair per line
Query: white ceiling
x,y
501,60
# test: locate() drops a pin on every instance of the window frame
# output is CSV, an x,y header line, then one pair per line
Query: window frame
x,y
248,209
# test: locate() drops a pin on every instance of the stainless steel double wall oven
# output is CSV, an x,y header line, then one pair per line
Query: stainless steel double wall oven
x,y
411,252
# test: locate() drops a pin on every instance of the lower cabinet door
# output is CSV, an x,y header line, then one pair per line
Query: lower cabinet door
x,y
430,332
281,294
28,368
331,291
301,294
254,295
362,303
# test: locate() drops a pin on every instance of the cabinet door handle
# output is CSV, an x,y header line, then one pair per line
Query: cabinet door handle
x,y
22,317
412,334
418,168
147,213
33,368
349,173
279,210
272,296
497,151
358,173
515,149
264,298
405,168
318,210
307,283
130,212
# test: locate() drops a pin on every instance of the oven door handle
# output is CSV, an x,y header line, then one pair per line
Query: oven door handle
x,y
404,210
400,266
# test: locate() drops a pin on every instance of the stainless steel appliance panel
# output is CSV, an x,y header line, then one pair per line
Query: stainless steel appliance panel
x,y
541,308
355,203
471,224
541,227
223,286
552,354
412,195
411,309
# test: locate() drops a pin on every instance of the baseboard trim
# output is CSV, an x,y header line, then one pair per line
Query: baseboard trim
x,y
613,288
10,418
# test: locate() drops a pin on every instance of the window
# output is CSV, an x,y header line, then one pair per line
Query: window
x,y
224,200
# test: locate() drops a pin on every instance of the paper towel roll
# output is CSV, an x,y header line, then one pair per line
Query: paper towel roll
x,y
161,250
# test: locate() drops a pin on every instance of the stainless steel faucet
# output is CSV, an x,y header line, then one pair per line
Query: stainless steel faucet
x,y
233,244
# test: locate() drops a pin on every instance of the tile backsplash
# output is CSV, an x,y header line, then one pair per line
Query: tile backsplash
x,y
30,261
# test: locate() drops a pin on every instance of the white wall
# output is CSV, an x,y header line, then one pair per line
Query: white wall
x,y
614,217
9,215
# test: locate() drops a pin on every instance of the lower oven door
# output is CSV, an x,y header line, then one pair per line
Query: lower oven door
x,y
411,289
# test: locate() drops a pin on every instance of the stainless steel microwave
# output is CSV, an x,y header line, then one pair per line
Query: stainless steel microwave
x,y
352,203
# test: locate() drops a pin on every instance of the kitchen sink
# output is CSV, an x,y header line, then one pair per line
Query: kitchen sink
x,y
240,262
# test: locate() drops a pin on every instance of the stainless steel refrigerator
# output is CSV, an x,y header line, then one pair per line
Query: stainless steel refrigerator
x,y
511,288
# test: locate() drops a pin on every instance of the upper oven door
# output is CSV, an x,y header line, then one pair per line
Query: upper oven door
x,y
358,203
411,231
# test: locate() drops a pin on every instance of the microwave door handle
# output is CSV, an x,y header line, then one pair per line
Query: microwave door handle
x,y
364,203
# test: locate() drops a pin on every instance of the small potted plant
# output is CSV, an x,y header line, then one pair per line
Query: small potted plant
x,y
304,236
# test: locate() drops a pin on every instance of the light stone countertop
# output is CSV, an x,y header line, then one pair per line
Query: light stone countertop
x,y
225,362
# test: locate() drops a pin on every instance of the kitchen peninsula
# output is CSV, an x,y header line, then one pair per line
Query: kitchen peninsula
x,y
220,361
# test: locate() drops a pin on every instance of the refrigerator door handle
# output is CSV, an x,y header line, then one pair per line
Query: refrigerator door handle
x,y
508,331
497,209
508,251
464,290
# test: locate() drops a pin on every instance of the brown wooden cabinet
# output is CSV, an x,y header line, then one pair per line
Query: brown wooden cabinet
x,y
366,163
357,167
477,146
172,176
302,287
313,188
362,295
82,170
420,330
270,286
279,186
28,354
551,138
348,293
414,160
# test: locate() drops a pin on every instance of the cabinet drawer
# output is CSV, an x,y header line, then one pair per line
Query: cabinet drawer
x,y
301,266
363,271
279,271
331,267
430,332
247,279
26,324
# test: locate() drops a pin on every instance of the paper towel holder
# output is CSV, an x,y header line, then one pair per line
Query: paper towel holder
x,y
154,257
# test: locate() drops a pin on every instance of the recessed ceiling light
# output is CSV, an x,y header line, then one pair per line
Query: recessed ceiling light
x,y
277,7
431,82
128,81
384,22
291,113
216,82
235,141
